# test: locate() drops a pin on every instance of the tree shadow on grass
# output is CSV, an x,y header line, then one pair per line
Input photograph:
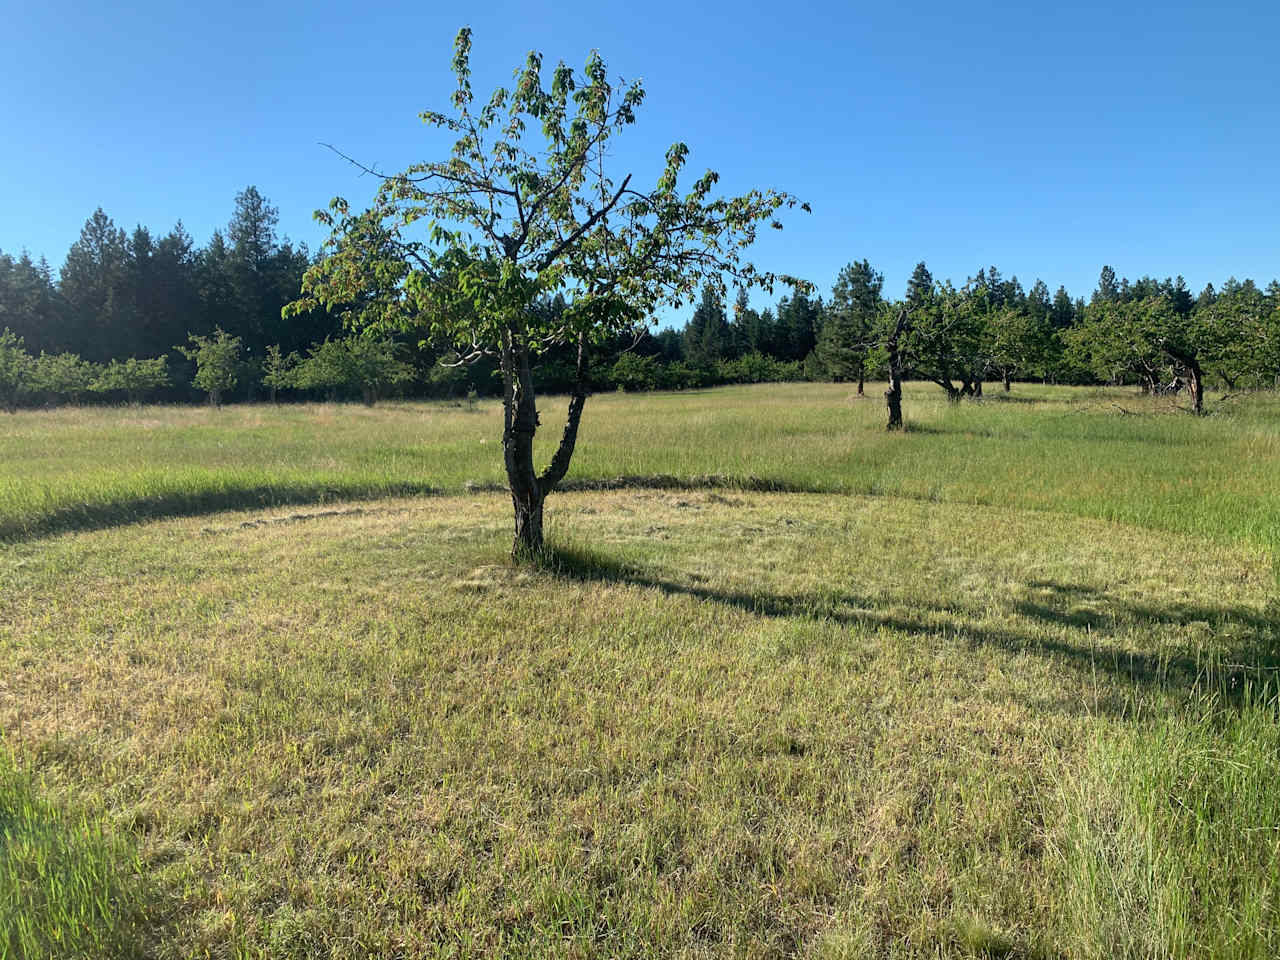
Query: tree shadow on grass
x,y
191,503
1234,647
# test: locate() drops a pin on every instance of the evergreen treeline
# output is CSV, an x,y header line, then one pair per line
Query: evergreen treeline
x,y
135,316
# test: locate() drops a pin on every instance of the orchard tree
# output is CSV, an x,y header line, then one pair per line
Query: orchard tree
x,y
375,365
1017,341
510,223
947,338
17,370
1146,337
279,370
64,376
133,377
364,363
326,368
1116,340
217,359
1234,326
901,326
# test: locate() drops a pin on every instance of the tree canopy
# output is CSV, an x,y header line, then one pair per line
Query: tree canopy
x,y
464,248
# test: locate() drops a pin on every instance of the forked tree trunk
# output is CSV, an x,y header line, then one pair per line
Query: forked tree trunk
x,y
1195,375
520,423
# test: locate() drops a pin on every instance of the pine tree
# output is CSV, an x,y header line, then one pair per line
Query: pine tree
x,y
1063,314
95,283
706,336
855,302
251,235
1108,290
919,287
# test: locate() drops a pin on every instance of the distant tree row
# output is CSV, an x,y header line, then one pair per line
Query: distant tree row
x,y
345,367
1153,333
123,302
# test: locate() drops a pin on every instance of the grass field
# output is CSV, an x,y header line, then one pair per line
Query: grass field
x,y
1000,686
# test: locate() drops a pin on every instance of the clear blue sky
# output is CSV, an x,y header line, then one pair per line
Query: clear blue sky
x,y
1047,139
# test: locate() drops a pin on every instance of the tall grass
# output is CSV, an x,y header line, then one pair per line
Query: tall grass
x,y
1170,841
68,888
1091,453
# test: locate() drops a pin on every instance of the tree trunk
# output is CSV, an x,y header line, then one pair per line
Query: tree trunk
x,y
1196,385
528,543
1007,385
1195,376
370,396
520,415
893,400
528,489
861,382
893,396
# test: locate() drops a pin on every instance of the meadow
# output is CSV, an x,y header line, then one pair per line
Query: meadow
x,y
785,685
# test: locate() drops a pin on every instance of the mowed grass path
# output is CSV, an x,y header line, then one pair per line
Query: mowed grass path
x,y
1059,449
716,723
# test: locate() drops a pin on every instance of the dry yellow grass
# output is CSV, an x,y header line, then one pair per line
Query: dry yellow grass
x,y
717,723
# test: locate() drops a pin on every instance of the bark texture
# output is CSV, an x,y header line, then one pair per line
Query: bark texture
x,y
520,424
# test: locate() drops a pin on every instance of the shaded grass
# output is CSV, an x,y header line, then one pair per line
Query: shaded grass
x,y
197,495
68,888
1248,655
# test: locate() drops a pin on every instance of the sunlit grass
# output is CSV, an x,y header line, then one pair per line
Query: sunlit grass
x,y
67,888
1170,838
1091,453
